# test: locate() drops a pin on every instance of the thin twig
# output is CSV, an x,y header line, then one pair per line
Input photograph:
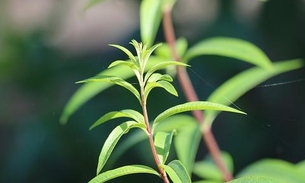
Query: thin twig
x,y
191,95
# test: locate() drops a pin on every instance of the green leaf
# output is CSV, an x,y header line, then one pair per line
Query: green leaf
x,y
208,181
89,90
150,19
128,113
125,63
92,3
162,84
163,143
113,139
276,169
176,122
190,106
301,166
255,179
115,80
157,77
207,168
177,172
162,65
238,85
186,144
165,50
126,51
128,142
230,47
125,170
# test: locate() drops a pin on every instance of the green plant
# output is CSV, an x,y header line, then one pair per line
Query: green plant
x,y
185,130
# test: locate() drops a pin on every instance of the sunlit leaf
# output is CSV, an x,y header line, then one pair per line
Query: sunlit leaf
x,y
176,122
238,85
162,84
128,113
301,166
230,47
126,51
276,169
190,106
207,168
177,172
255,179
89,90
113,139
163,143
150,19
115,80
124,170
91,3
208,181
123,62
186,144
157,77
162,65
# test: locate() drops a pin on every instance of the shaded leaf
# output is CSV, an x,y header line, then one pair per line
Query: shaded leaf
x,y
276,169
255,179
177,172
230,47
208,181
150,19
163,143
238,85
157,77
186,144
113,139
207,168
190,106
115,80
125,170
165,51
128,113
176,122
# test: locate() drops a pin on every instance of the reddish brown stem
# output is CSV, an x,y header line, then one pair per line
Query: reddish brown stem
x,y
150,138
191,95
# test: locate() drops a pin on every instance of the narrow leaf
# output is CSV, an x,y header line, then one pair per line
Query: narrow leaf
x,y
113,139
115,80
207,168
125,63
230,47
276,169
157,77
162,84
163,143
150,19
125,170
190,106
186,144
128,113
126,51
238,85
177,172
162,65
255,179
89,90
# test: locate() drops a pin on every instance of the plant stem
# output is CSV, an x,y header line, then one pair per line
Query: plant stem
x,y
150,134
191,95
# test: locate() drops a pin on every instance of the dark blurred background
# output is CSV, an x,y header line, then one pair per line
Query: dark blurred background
x,y
46,46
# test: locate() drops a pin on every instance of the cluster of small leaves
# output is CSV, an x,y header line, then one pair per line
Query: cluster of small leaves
x,y
162,140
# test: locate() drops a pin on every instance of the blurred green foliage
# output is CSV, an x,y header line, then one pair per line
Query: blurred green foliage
x,y
36,79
